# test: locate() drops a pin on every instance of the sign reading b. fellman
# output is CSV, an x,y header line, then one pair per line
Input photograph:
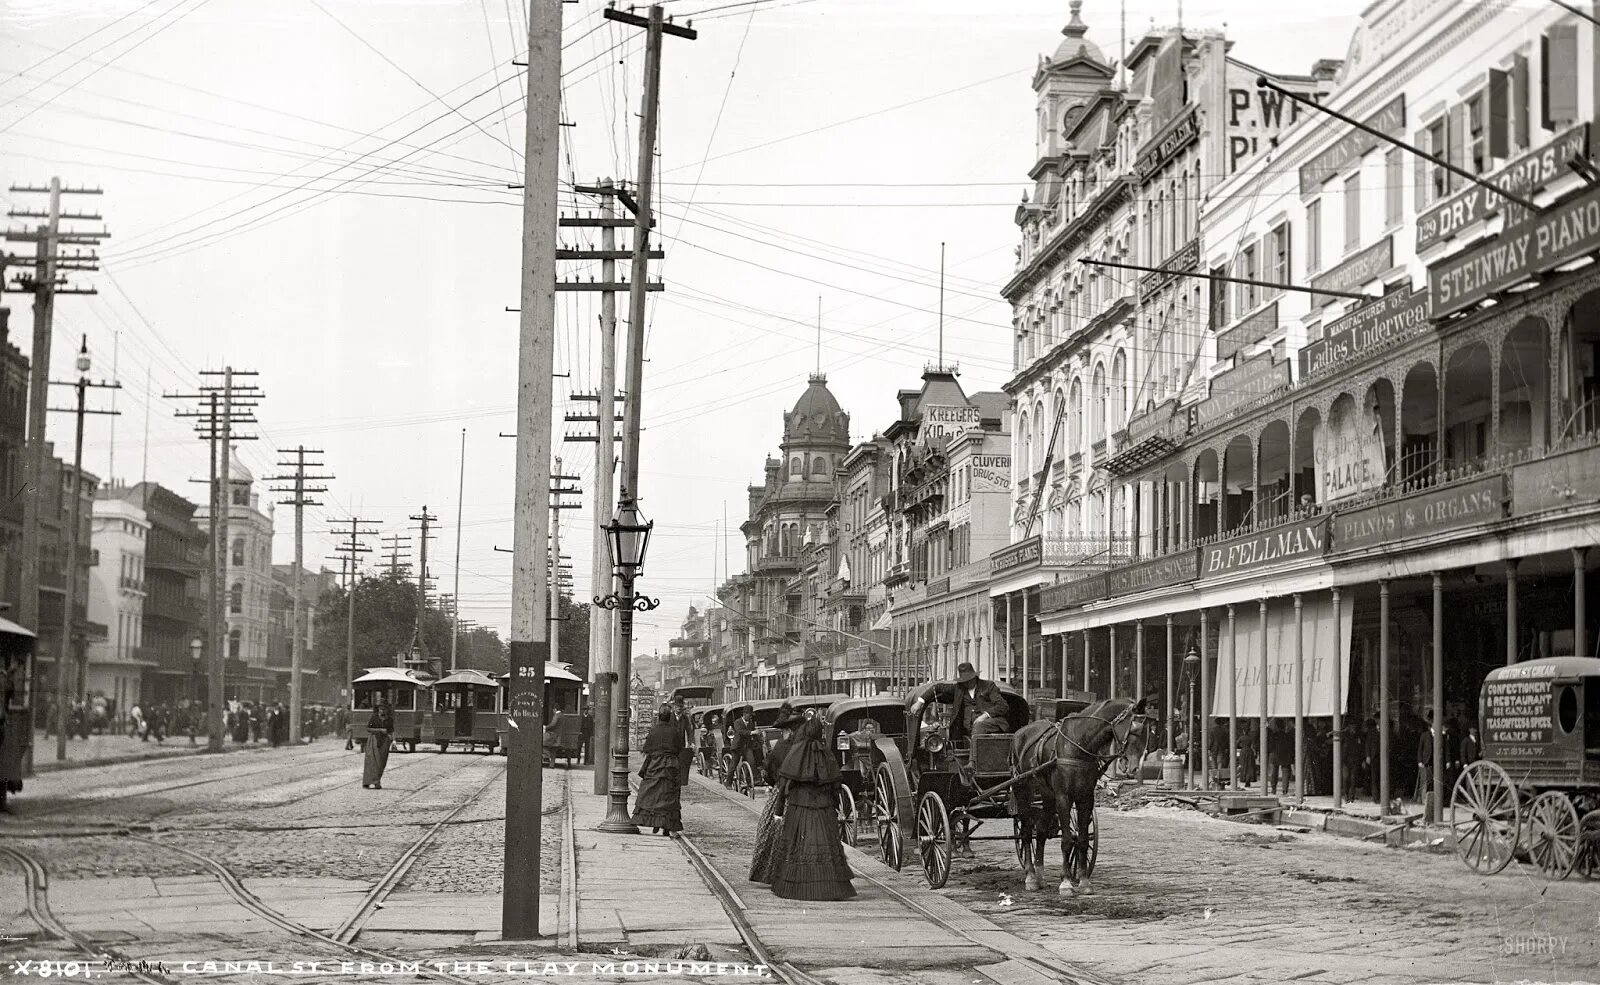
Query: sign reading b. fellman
x,y
1292,540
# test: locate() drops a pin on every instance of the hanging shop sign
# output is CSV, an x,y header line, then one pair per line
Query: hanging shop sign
x,y
1350,457
1250,380
1397,315
1431,511
991,473
1366,266
1564,233
1021,553
1153,423
1239,659
1172,143
1391,120
1070,594
1162,571
1186,259
1248,332
1304,538
1523,177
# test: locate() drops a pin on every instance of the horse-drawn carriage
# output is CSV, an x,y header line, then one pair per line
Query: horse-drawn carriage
x,y
1540,727
705,725
745,771
856,725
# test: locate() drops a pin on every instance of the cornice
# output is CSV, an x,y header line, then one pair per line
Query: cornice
x,y
1117,192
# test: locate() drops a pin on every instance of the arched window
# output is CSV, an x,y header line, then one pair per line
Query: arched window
x,y
238,552
1061,433
797,467
241,495
236,598
1024,448
819,466
234,639
1075,419
1041,442
1097,393
1119,395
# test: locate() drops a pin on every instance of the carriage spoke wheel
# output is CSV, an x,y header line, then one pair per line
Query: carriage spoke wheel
x,y
934,840
1553,834
744,780
1071,835
700,763
1588,864
1484,816
847,816
883,802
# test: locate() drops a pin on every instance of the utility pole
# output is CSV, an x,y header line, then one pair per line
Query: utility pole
x,y
556,506
82,386
455,615
44,283
424,519
350,553
224,406
299,497
394,547
628,494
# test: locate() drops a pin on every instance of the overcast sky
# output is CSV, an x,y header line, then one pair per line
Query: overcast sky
x,y
315,189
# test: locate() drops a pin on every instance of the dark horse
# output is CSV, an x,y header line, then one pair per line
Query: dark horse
x,y
1078,749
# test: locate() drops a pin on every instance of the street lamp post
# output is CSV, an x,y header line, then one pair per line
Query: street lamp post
x,y
627,537
195,646
1191,669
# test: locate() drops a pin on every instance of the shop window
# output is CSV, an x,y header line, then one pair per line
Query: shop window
x,y
236,599
235,639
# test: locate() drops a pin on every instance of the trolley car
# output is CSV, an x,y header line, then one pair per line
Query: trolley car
x,y
406,692
468,706
16,705
1540,771
562,691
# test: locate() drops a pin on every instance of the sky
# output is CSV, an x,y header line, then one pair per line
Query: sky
x,y
316,190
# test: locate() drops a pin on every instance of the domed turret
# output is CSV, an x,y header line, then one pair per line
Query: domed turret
x,y
1075,45
817,417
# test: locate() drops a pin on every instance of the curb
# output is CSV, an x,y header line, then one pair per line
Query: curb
x,y
40,769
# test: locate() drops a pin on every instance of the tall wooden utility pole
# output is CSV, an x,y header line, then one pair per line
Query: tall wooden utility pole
x,y
455,614
223,407
628,491
530,627
299,497
556,506
424,519
394,548
81,385
44,283
349,554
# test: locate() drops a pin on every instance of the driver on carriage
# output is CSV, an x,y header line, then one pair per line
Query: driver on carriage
x,y
746,743
979,709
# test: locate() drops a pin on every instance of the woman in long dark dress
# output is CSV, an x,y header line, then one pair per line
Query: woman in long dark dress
x,y
379,728
808,859
762,861
658,806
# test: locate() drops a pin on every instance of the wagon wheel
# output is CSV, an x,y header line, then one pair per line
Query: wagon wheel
x,y
883,802
847,816
725,769
1020,844
1070,834
1484,816
700,763
744,780
1553,834
1589,845
934,841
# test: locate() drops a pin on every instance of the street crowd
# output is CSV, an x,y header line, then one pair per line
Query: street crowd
x,y
243,721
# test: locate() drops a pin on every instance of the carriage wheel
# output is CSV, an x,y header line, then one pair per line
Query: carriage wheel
x,y
726,773
934,841
1070,836
1589,845
883,802
744,780
1553,834
1484,817
700,763
847,816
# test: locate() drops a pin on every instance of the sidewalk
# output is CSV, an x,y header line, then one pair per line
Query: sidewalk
x,y
103,750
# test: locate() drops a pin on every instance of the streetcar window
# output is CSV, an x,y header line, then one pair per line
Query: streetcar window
x,y
1567,708
364,699
448,700
406,700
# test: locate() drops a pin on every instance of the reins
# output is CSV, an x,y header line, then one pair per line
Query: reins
x,y
1100,761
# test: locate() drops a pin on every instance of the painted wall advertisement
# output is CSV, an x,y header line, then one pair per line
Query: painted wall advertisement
x,y
1350,458
991,473
1249,671
941,423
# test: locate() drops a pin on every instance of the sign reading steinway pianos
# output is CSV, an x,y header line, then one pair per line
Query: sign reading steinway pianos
x,y
1564,233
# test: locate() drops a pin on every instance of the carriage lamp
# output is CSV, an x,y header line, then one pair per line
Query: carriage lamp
x,y
195,645
841,742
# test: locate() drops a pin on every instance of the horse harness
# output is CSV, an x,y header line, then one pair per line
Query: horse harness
x,y
1101,762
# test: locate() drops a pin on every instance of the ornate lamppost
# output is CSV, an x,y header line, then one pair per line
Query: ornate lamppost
x,y
627,537
195,646
1191,670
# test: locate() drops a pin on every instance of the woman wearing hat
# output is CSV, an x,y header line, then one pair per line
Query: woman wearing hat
x,y
658,806
808,860
762,862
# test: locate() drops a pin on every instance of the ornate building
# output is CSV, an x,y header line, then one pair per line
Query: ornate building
x,y
247,559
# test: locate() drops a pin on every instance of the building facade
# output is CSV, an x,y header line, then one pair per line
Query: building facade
x,y
117,589
247,598
172,618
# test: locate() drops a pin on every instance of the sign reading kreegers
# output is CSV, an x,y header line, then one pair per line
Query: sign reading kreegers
x,y
1252,379
1397,315
1391,119
1523,177
1564,233
1185,132
1187,258
1302,539
1023,552
940,423
1368,265
1429,512
1248,332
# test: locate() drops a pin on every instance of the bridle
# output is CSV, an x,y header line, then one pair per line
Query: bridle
x,y
1119,747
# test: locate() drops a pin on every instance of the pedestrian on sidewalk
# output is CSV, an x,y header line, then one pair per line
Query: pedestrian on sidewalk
x,y
379,726
809,861
659,807
763,863
680,715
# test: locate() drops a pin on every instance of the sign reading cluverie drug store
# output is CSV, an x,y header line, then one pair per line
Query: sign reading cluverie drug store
x,y
1523,177
1549,240
991,473
1431,511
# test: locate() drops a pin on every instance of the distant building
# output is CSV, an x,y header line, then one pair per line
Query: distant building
x,y
172,609
280,633
120,536
248,563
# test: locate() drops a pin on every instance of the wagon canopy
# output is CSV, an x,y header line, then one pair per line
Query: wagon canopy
x,y
1547,667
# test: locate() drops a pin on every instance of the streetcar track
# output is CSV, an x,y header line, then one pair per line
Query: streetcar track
x,y
36,882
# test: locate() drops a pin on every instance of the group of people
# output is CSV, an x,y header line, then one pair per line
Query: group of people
x,y
797,851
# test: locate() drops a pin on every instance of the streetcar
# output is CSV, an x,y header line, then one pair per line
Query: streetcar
x,y
1539,775
406,692
468,706
16,708
562,692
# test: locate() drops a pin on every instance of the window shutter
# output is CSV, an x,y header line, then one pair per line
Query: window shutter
x,y
1519,99
1499,113
1457,141
1419,171
1560,49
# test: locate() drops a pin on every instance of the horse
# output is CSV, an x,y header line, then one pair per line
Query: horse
x,y
1078,748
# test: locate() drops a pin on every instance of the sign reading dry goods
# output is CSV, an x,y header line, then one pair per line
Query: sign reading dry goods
x,y
991,473
1248,332
1368,265
1522,177
1251,380
1429,512
1391,119
1305,538
1564,233
1023,552
1169,570
1397,315
1518,715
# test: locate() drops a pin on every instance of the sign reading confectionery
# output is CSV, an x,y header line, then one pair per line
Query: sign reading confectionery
x,y
1023,552
1250,380
1523,177
1518,715
1391,120
1366,266
991,473
1395,316
1303,538
1248,332
1431,511
1550,239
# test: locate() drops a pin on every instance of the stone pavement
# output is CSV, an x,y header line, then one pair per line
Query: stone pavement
x,y
102,750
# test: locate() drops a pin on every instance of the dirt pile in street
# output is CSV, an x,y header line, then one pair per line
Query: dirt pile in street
x,y
1127,797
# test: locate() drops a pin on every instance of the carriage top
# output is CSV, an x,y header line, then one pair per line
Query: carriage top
x,y
692,692
1539,719
944,692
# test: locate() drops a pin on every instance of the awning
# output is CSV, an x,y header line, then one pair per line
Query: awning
x,y
882,623
844,568
7,626
1319,636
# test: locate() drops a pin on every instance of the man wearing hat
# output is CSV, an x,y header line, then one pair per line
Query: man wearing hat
x,y
980,708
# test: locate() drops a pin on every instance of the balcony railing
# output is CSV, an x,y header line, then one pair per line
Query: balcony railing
x,y
1066,549
131,584
777,562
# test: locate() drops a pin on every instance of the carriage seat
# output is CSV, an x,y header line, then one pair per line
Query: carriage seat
x,y
991,753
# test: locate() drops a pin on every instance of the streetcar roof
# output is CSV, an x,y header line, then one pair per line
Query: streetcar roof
x,y
390,675
1547,667
474,678
10,628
